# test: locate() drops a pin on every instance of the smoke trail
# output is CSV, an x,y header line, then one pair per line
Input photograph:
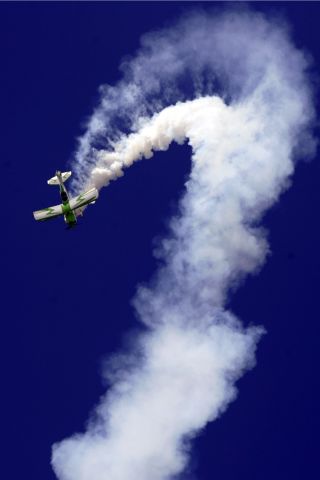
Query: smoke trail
x,y
182,372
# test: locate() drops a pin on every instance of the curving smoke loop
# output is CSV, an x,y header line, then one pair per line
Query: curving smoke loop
x,y
244,142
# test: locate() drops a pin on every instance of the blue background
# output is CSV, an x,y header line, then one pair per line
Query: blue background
x,y
66,294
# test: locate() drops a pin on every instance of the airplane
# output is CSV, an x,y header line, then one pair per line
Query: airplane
x,y
70,208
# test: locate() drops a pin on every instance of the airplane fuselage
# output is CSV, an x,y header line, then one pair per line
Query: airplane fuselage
x,y
68,213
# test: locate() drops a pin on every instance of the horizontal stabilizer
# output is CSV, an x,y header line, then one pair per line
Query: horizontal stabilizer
x,y
55,180
48,213
84,199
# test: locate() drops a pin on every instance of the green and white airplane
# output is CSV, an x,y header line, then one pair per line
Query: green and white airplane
x,y
70,208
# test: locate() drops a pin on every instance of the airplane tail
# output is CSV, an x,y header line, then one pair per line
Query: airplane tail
x,y
55,180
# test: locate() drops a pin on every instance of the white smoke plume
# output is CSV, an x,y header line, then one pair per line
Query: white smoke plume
x,y
182,373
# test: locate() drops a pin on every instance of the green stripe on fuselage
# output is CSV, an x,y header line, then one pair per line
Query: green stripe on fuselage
x,y
69,215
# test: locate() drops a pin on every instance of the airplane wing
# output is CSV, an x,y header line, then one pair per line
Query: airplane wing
x,y
84,199
47,213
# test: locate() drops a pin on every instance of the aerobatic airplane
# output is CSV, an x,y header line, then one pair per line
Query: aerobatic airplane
x,y
70,208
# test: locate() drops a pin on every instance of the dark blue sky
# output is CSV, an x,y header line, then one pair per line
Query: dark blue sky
x,y
66,294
